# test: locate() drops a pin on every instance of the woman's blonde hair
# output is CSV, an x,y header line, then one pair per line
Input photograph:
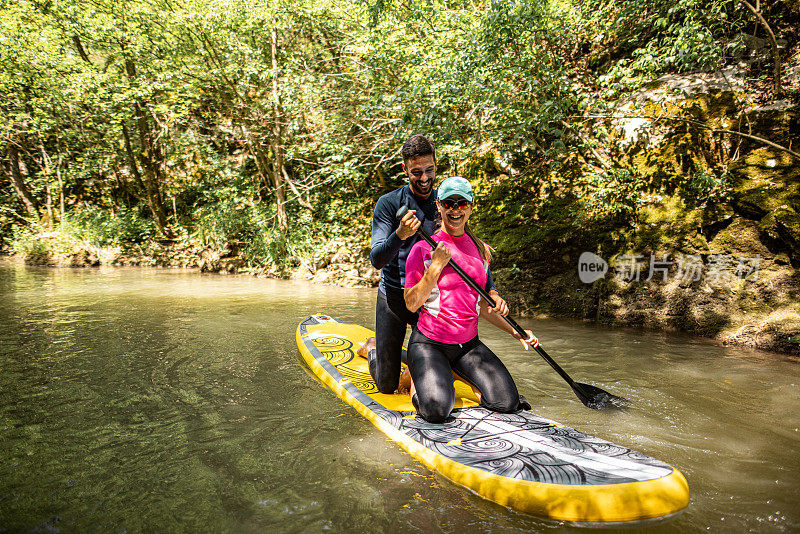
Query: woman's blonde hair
x,y
483,249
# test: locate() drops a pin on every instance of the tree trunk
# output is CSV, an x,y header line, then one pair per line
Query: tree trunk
x,y
277,154
24,194
479,132
137,176
777,89
49,204
149,156
300,200
47,170
261,159
382,177
76,40
60,188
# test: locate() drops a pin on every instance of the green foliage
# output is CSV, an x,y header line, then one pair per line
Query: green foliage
x,y
657,36
124,108
81,230
37,245
615,191
707,187
27,241
124,226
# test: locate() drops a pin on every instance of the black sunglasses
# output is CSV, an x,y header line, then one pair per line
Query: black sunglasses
x,y
450,203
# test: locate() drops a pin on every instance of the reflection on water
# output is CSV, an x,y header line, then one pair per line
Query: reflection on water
x,y
145,400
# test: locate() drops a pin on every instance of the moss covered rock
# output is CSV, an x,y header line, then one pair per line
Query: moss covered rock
x,y
713,198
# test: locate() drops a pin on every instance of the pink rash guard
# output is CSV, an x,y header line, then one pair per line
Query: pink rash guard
x,y
450,315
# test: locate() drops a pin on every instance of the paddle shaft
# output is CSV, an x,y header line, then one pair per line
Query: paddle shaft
x,y
517,328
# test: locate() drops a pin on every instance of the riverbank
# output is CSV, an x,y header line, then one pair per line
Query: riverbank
x,y
730,311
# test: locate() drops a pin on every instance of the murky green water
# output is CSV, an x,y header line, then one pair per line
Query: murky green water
x,y
143,400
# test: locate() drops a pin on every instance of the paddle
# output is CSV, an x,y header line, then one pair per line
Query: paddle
x,y
591,396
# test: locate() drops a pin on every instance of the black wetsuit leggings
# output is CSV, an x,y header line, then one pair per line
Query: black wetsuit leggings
x,y
431,364
391,319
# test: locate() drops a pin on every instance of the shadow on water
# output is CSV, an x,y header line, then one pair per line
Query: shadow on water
x,y
145,400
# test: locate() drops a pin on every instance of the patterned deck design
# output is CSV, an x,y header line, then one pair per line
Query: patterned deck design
x,y
521,445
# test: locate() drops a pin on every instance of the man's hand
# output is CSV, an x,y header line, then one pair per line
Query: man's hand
x,y
501,307
409,225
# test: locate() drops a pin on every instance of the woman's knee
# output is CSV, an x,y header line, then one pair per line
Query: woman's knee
x,y
434,409
506,404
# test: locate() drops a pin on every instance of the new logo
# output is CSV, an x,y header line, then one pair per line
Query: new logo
x,y
591,267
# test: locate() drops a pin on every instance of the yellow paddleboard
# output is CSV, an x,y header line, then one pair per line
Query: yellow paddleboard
x,y
523,461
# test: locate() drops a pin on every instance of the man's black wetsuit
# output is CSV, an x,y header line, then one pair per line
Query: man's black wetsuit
x,y
388,253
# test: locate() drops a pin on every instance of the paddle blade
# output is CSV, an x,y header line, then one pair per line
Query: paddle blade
x,y
599,399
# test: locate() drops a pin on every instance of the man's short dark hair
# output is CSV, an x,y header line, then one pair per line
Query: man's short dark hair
x,y
418,145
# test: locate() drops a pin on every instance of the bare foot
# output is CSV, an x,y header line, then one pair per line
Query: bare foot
x,y
474,389
404,387
364,349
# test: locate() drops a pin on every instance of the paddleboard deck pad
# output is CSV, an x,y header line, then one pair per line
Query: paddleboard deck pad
x,y
521,460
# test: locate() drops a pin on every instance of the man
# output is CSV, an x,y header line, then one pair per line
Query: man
x,y
392,240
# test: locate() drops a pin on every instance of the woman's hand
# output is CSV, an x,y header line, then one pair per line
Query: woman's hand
x,y
530,341
501,307
496,317
416,296
440,256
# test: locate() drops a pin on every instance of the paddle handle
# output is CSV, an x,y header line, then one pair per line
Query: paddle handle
x,y
484,295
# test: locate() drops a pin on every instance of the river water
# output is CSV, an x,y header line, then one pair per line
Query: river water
x,y
150,400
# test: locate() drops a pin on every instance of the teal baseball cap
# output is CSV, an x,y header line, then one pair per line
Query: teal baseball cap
x,y
455,185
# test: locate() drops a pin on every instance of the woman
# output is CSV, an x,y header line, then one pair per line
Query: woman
x,y
445,339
